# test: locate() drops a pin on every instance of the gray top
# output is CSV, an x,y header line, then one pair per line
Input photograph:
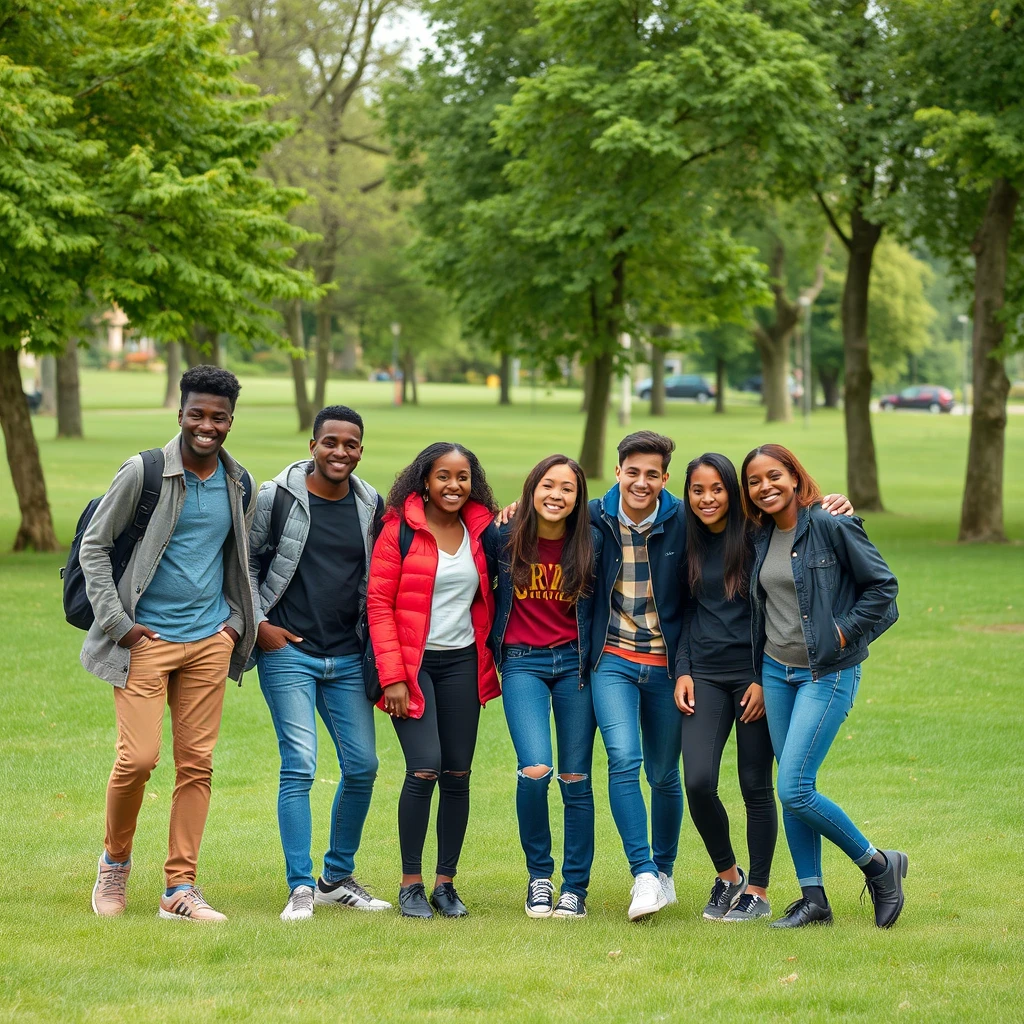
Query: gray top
x,y
784,634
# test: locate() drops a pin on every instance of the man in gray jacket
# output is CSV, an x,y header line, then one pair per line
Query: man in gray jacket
x,y
180,621
310,608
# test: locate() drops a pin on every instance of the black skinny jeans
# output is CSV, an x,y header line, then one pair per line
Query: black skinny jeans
x,y
717,706
439,745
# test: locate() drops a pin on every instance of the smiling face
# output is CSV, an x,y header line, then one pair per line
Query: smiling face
x,y
205,421
554,497
641,478
771,486
708,498
449,482
337,449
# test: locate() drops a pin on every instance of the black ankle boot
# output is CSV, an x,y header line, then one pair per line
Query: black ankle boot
x,y
446,901
412,901
886,889
803,912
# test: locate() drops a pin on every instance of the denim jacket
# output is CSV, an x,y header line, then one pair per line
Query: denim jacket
x,y
842,583
666,553
504,596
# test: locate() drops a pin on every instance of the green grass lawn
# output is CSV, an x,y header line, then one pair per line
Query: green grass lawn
x,y
931,761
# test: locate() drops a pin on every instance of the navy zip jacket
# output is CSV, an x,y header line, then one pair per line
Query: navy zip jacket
x,y
666,553
504,596
842,583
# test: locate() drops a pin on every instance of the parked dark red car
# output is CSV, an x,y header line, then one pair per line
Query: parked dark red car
x,y
930,397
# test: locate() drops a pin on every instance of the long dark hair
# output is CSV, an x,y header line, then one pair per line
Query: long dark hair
x,y
807,491
577,559
412,479
736,557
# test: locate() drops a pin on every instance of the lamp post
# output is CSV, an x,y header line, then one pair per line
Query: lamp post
x,y
396,332
626,406
964,321
805,303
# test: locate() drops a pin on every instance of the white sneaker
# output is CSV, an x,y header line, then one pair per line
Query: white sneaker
x,y
300,904
648,896
668,887
347,893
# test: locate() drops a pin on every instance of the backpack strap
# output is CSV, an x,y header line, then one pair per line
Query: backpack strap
x,y
246,490
283,501
378,517
405,536
152,481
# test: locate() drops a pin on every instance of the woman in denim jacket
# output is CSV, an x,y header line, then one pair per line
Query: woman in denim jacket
x,y
821,593
540,641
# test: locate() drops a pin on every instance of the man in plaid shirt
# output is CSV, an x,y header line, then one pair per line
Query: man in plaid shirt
x,y
640,594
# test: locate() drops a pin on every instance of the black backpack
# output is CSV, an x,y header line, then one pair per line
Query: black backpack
x,y
283,501
77,609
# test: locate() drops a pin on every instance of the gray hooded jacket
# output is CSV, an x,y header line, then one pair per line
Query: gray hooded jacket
x,y
114,607
293,536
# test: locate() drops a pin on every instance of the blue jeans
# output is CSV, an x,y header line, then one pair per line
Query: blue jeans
x,y
639,721
536,681
804,717
296,686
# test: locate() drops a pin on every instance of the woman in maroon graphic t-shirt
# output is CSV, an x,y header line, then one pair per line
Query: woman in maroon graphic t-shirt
x,y
540,640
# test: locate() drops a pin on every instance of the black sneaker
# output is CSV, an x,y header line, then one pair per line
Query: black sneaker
x,y
446,901
724,896
750,908
570,905
540,897
886,889
412,901
803,912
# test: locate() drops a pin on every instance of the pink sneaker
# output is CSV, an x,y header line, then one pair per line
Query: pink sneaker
x,y
109,893
188,905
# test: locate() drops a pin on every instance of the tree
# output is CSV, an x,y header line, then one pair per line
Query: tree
x,y
871,142
320,57
132,146
971,213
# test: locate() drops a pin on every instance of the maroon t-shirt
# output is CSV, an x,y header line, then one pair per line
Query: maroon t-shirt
x,y
541,616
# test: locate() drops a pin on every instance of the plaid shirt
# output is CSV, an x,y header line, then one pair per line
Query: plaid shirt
x,y
633,625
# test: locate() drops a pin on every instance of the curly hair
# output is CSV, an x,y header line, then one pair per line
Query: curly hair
x,y
209,380
337,412
412,479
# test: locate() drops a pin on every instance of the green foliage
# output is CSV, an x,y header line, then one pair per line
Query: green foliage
x,y
148,196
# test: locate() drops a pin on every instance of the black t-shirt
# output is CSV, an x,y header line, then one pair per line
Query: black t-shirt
x,y
321,604
721,649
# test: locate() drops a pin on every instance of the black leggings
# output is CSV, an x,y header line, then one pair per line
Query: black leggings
x,y
439,745
717,706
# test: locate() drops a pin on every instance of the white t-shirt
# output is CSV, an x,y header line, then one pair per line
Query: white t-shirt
x,y
455,586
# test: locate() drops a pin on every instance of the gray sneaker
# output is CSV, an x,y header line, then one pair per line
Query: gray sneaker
x,y
749,908
724,897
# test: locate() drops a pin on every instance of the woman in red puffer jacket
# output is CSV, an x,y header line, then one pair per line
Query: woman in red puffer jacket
x,y
430,615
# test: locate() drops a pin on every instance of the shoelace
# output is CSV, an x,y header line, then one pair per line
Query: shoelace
x,y
449,888
353,886
302,898
747,900
195,897
796,903
717,892
541,890
569,901
112,883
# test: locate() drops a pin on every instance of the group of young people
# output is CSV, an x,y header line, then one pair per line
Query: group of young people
x,y
660,622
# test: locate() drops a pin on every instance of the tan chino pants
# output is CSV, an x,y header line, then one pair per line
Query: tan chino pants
x,y
190,678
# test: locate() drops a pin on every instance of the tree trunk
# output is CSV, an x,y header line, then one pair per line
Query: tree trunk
x,y
981,515
293,325
48,385
588,385
36,529
657,380
592,452
350,351
720,378
861,462
323,353
69,394
505,377
172,395
829,387
773,344
409,377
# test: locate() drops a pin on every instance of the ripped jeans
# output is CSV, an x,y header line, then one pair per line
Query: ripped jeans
x,y
537,681
438,752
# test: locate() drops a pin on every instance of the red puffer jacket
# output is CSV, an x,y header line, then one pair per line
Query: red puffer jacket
x,y
399,595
